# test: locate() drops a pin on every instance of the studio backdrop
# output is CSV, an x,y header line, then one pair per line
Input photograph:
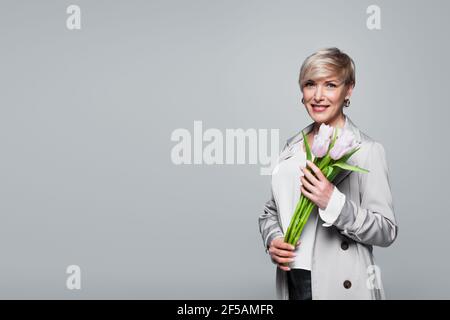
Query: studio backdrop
x,y
137,140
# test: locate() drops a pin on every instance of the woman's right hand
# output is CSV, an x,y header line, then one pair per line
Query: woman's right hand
x,y
282,252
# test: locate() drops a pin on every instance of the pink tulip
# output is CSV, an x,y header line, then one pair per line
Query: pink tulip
x,y
322,141
345,142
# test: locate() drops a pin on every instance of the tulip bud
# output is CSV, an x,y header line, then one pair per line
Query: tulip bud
x,y
345,142
322,141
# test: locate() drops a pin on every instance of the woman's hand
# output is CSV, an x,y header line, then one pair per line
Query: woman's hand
x,y
282,252
316,188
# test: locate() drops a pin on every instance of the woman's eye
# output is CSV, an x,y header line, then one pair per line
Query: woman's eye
x,y
332,85
309,84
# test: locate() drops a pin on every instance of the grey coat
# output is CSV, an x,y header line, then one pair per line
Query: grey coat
x,y
343,266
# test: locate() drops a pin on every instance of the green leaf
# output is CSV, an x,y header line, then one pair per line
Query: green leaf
x,y
348,155
334,174
329,171
333,140
346,166
308,150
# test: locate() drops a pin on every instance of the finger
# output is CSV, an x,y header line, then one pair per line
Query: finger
x,y
315,169
283,253
284,245
284,267
283,260
307,194
311,178
307,185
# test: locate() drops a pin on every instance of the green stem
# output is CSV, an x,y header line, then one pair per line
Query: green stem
x,y
306,213
305,205
301,221
294,218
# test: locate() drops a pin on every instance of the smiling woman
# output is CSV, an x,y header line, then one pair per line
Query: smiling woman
x,y
333,259
327,79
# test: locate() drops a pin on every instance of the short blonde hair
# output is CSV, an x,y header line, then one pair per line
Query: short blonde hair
x,y
328,62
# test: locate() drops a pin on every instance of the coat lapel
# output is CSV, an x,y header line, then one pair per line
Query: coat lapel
x,y
298,138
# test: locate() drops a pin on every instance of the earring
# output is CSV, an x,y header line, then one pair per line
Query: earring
x,y
303,100
347,103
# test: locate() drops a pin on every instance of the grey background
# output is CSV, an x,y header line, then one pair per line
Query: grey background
x,y
86,118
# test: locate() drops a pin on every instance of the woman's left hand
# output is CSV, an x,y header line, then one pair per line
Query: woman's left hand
x,y
319,189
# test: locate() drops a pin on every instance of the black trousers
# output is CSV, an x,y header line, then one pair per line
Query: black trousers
x,y
299,284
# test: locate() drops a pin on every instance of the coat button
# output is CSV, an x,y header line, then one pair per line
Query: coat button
x,y
347,284
344,245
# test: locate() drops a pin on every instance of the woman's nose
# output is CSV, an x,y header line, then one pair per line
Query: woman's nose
x,y
318,93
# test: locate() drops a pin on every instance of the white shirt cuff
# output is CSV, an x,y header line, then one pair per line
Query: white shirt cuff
x,y
330,214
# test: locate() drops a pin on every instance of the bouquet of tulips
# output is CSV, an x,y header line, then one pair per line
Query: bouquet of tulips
x,y
330,155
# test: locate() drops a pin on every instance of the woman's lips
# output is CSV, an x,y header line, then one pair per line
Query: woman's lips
x,y
319,108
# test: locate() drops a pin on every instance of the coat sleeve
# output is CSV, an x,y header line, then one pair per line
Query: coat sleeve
x,y
373,222
269,225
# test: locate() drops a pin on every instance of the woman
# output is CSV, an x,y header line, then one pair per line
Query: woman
x,y
333,258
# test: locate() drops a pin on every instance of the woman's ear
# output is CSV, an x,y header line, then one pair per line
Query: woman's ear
x,y
349,91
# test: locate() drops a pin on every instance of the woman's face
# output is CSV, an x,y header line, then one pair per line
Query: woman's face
x,y
324,98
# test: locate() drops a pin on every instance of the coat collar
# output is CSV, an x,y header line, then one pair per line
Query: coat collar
x,y
294,141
